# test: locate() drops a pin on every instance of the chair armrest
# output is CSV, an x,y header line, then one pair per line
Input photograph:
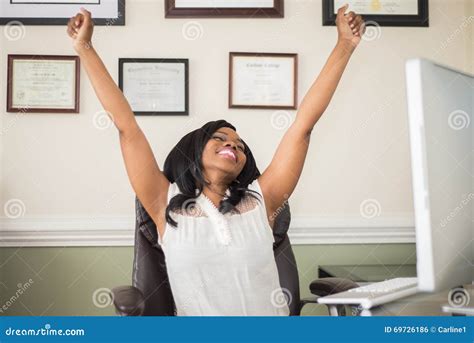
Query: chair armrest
x,y
128,301
331,285
339,310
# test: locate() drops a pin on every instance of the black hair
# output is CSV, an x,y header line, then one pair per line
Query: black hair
x,y
183,165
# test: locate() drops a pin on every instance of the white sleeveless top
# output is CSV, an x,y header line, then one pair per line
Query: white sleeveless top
x,y
223,265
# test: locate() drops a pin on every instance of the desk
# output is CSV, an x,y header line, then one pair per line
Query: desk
x,y
362,274
421,304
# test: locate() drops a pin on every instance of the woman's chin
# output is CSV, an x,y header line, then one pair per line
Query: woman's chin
x,y
227,167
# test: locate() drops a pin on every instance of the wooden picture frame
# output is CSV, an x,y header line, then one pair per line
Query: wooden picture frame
x,y
26,12
41,79
172,10
152,79
418,19
258,68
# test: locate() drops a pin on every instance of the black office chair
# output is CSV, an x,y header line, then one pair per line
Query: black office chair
x,y
151,294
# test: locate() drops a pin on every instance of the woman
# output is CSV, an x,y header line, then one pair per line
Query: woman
x,y
213,210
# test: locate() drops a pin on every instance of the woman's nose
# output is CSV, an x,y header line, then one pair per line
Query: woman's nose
x,y
232,144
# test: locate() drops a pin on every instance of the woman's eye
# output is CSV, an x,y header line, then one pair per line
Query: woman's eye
x,y
222,139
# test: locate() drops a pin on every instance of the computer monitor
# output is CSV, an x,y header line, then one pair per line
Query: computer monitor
x,y
440,112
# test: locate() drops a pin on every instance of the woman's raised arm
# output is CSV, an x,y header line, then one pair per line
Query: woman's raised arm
x,y
147,180
280,178
80,29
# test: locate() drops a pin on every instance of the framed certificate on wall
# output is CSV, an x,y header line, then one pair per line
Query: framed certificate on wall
x,y
381,12
155,86
263,80
42,84
224,8
58,12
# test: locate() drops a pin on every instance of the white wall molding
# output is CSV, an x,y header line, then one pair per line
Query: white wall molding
x,y
119,231
67,231
352,230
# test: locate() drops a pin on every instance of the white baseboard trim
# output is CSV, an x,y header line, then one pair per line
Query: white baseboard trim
x,y
119,231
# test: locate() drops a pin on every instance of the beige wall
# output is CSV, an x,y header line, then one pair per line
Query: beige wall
x,y
61,165
470,36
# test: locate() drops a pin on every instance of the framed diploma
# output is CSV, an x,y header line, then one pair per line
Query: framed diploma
x,y
43,84
155,86
263,80
224,8
381,12
58,12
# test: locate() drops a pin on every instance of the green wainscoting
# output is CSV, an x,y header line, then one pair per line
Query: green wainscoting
x,y
64,279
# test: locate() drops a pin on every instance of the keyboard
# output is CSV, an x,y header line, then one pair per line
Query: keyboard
x,y
391,285
374,294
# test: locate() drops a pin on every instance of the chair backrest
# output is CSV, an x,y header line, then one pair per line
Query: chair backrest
x,y
151,278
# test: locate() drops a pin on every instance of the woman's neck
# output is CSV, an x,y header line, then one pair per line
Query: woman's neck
x,y
215,192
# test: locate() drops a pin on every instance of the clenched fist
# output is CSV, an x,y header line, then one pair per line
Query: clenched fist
x,y
350,26
80,29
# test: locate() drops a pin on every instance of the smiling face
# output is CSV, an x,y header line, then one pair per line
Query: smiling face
x,y
224,151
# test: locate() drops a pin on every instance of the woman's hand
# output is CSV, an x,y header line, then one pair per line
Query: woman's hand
x,y
350,26
80,28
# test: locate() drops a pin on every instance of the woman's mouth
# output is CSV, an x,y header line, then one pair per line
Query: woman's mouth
x,y
228,153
